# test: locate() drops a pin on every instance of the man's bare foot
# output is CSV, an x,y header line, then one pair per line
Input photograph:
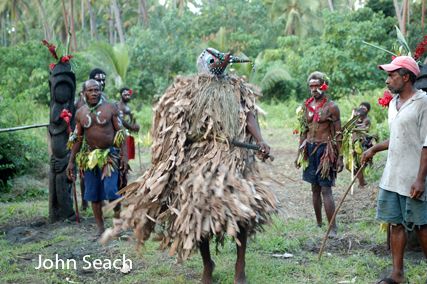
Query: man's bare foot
x,y
116,214
240,276
363,184
207,273
332,233
85,205
391,280
97,234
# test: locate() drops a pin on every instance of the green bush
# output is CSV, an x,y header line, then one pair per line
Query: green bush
x,y
20,152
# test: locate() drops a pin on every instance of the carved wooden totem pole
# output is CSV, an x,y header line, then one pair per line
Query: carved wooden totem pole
x,y
62,83
421,82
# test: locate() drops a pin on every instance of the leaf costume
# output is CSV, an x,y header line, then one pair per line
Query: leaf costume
x,y
198,188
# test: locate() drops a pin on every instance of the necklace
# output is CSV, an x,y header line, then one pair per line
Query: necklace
x,y
314,111
93,109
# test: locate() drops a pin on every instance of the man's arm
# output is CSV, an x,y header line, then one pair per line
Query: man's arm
x,y
253,128
76,148
336,120
419,186
117,124
368,154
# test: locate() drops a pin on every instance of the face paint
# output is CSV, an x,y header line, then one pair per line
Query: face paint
x,y
101,79
126,96
92,93
319,91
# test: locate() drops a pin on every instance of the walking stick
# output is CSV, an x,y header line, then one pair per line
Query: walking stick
x,y
139,155
336,211
75,200
352,162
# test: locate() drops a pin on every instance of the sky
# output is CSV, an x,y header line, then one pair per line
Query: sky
x,y
190,5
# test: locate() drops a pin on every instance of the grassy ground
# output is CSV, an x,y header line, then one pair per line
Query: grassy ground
x,y
357,255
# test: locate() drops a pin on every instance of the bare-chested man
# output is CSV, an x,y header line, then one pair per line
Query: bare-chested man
x,y
127,120
98,75
323,121
98,121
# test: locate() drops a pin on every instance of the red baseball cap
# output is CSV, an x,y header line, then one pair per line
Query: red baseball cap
x,y
401,62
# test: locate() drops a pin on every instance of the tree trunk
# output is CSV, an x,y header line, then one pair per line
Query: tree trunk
x,y
45,21
139,15
399,18
3,31
118,23
331,5
110,20
143,8
405,7
93,20
83,21
64,13
73,30
423,14
409,10
16,24
22,22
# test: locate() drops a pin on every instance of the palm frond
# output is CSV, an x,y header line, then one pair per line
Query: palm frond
x,y
273,76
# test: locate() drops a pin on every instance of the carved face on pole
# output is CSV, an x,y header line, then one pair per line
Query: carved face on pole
x,y
92,92
100,77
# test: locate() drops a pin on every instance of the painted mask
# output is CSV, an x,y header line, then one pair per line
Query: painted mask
x,y
214,63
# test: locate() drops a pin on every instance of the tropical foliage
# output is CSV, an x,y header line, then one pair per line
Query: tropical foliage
x,y
144,44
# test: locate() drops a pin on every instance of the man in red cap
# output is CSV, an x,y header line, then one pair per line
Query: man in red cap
x,y
402,199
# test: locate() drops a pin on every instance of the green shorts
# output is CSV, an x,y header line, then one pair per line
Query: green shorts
x,y
398,209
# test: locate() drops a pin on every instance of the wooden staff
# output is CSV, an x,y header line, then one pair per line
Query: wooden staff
x,y
75,200
23,127
352,159
336,211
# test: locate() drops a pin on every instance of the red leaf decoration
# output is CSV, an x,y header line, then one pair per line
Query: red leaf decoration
x,y
65,115
385,100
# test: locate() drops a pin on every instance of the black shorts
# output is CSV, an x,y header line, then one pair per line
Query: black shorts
x,y
309,174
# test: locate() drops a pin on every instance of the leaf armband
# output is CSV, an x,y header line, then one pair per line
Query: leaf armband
x,y
119,138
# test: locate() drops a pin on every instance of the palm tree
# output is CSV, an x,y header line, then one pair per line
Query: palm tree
x,y
45,21
298,16
118,22
92,20
143,7
114,60
261,75
12,8
423,13
73,31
